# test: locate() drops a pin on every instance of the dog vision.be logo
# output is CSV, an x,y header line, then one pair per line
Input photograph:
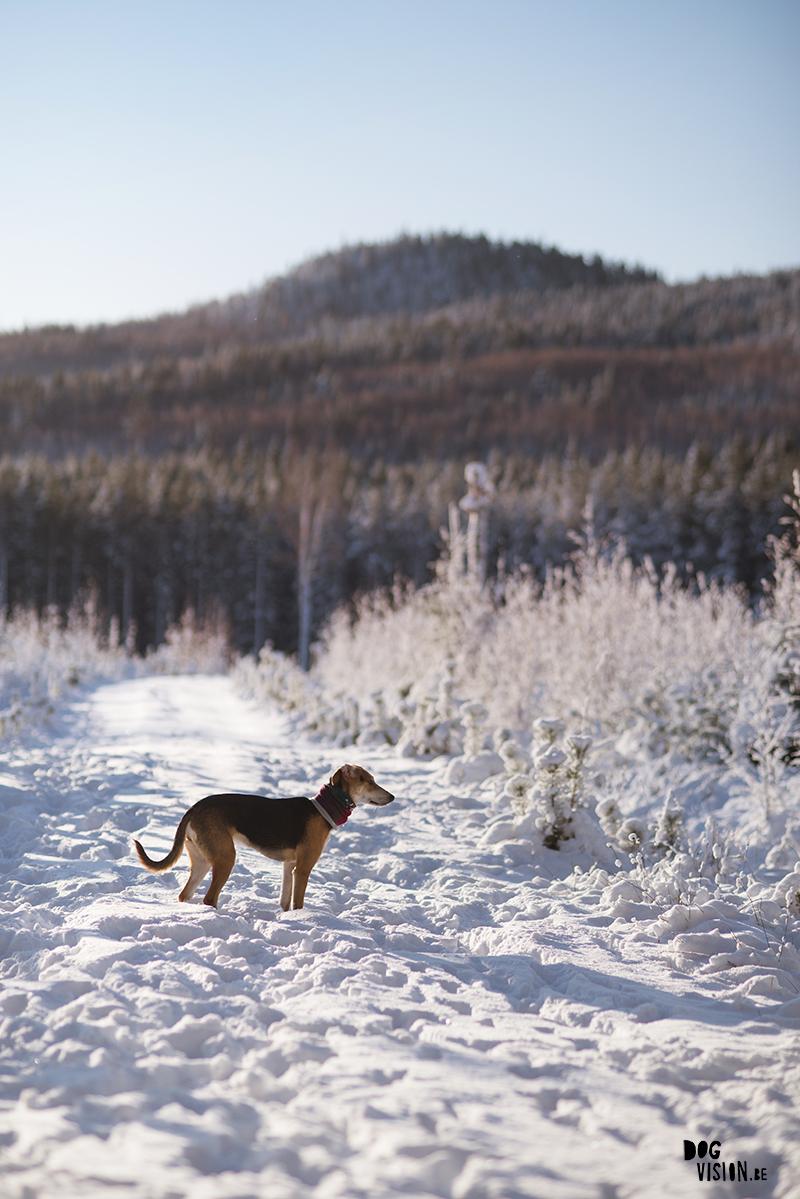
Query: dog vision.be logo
x,y
711,1169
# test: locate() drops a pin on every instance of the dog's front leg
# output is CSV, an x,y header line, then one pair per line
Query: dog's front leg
x,y
300,882
286,885
307,854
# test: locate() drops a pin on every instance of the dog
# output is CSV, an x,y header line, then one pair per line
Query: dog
x,y
293,831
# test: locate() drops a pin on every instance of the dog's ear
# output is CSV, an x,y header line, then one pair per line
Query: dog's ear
x,y
338,778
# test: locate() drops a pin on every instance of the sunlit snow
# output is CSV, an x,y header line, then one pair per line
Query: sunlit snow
x,y
448,1016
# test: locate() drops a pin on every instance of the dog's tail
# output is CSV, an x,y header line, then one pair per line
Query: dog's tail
x,y
174,853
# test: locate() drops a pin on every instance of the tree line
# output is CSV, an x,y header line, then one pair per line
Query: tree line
x,y
272,541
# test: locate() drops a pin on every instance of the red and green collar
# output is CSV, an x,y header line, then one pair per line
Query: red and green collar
x,y
333,803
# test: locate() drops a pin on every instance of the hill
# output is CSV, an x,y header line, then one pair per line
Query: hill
x,y
414,275
445,346
408,276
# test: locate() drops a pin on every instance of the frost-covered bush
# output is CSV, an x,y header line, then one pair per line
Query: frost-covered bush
x,y
517,788
669,836
424,727
479,760
380,728
733,922
474,716
516,760
618,651
610,646
561,808
550,802
192,646
397,642
787,851
765,730
275,676
43,657
787,892
701,898
432,725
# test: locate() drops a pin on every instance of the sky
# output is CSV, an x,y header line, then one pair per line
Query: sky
x,y
159,154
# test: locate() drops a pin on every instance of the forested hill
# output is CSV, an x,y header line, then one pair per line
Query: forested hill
x,y
442,346
414,275
408,276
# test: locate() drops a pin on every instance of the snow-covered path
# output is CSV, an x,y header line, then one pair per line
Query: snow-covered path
x,y
444,1018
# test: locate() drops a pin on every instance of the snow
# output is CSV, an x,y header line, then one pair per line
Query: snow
x,y
448,1016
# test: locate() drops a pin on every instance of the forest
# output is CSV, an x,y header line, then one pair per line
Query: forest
x,y
284,451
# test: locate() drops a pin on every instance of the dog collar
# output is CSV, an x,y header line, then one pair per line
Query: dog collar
x,y
333,803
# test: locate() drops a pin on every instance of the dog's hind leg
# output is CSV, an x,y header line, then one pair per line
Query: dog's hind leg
x,y
286,885
200,868
221,867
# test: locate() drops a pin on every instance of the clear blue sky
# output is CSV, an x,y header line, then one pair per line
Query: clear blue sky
x,y
153,155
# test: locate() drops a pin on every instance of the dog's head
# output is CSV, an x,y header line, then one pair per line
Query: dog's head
x,y
359,784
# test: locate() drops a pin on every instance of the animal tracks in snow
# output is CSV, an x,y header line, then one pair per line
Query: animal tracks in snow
x,y
444,1018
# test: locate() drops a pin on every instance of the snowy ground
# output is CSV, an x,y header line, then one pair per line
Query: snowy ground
x,y
444,1018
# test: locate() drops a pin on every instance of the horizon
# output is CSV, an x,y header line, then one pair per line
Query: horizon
x,y
160,159
177,312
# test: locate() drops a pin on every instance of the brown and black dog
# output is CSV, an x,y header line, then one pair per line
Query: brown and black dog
x,y
292,831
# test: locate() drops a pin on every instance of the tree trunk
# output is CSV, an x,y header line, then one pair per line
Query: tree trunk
x,y
312,523
52,572
455,543
75,573
259,622
127,596
3,582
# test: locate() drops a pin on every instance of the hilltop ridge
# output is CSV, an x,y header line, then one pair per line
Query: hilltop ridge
x,y
408,276
412,275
